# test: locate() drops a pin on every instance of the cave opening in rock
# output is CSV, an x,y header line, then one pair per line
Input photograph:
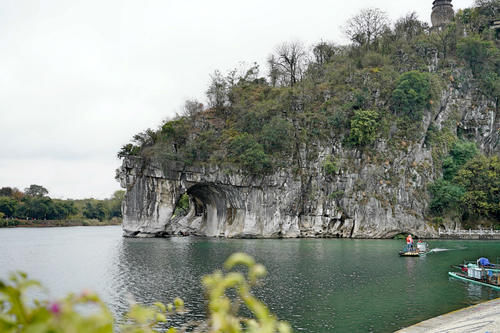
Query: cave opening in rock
x,y
207,209
403,235
209,202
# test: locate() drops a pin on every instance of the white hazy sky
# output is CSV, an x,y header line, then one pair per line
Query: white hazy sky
x,y
78,78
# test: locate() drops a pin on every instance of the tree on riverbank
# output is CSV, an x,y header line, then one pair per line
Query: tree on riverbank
x,y
35,204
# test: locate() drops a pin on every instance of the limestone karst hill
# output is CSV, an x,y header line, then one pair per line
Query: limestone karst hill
x,y
347,141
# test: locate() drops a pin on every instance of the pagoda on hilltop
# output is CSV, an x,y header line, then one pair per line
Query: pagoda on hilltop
x,y
442,13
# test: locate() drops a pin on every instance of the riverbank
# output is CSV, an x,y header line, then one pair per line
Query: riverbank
x,y
484,317
16,223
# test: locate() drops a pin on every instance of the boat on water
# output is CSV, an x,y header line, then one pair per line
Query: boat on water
x,y
411,251
480,272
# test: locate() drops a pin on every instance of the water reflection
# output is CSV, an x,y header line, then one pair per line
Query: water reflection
x,y
318,285
474,291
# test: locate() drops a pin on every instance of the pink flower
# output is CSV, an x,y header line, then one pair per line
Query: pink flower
x,y
55,308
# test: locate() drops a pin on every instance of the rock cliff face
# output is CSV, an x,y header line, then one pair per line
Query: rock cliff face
x,y
369,194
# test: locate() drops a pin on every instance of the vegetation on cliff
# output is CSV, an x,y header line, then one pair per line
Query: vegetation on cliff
x,y
470,186
384,87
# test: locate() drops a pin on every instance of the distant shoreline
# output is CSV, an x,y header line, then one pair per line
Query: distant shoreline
x,y
14,223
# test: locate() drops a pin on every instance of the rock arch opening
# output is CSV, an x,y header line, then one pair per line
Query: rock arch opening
x,y
209,203
402,235
212,209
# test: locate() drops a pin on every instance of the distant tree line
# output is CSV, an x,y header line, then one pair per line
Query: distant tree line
x,y
34,204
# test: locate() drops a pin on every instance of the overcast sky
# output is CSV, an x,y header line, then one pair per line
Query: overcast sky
x,y
78,78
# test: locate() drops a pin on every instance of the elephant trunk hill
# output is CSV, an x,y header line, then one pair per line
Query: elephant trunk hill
x,y
349,145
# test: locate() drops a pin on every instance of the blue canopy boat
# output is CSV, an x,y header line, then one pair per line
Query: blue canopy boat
x,y
482,273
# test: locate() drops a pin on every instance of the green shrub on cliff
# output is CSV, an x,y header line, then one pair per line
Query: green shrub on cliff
x,y
364,126
275,135
330,166
248,154
175,132
479,54
460,153
412,95
480,177
446,193
182,206
469,187
483,57
128,150
446,196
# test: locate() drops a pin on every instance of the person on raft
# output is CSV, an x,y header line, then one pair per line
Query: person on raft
x,y
409,242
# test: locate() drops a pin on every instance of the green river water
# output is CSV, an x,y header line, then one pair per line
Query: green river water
x,y
318,285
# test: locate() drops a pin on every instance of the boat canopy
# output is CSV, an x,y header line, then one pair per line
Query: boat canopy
x,y
483,261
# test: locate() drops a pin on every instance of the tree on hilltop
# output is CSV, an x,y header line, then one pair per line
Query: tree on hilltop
x,y
287,65
367,26
36,191
191,108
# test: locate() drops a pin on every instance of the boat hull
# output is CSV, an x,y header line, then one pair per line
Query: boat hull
x,y
475,281
409,254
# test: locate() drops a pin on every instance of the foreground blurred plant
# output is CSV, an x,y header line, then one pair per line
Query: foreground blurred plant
x,y
224,312
87,313
17,315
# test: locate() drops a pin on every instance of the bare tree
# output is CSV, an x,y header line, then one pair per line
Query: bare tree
x,y
191,108
243,73
274,72
217,91
365,27
409,27
288,63
491,6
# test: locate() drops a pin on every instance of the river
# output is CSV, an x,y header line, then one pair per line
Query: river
x,y
318,285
